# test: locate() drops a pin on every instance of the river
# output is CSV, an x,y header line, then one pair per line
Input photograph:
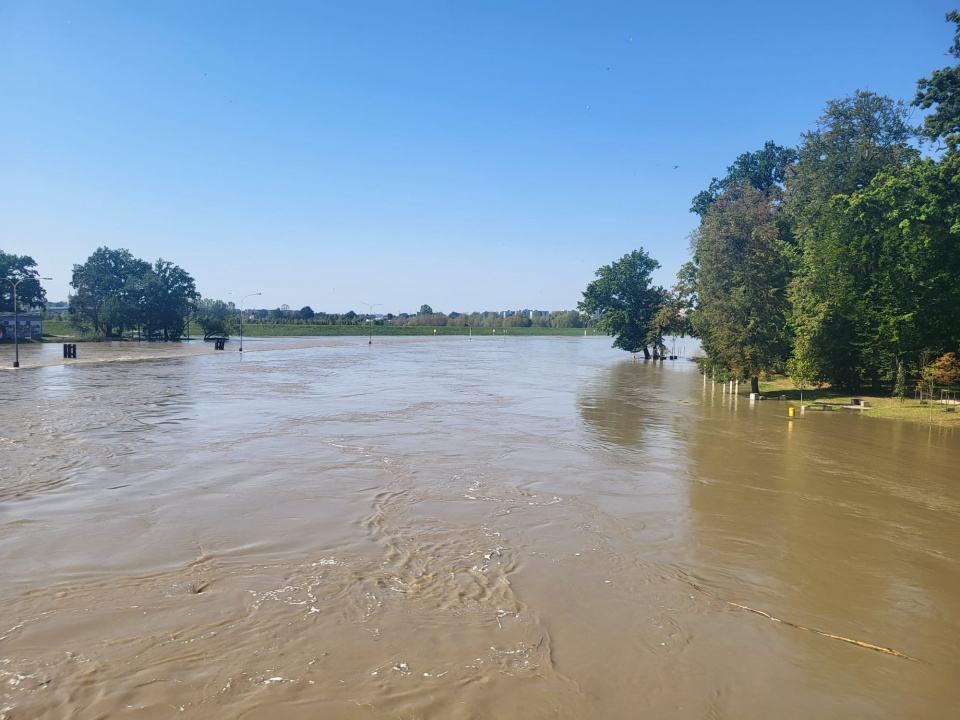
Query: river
x,y
453,528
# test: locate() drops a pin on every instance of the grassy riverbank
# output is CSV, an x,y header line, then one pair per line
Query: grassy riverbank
x,y
881,404
268,330
64,331
55,331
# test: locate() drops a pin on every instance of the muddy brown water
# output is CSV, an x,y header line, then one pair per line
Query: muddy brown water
x,y
460,529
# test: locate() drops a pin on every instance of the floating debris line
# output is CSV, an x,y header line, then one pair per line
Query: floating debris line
x,y
869,646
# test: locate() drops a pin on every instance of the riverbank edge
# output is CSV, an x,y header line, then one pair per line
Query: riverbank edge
x,y
63,332
882,405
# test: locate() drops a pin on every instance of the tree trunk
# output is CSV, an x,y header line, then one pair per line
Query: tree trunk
x,y
646,354
755,385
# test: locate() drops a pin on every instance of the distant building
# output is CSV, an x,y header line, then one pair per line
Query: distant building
x,y
30,325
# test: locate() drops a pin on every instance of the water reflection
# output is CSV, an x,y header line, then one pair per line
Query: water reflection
x,y
836,521
641,407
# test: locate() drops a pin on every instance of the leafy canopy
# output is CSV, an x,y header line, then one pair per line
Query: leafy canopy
x,y
765,170
30,294
741,277
942,89
625,301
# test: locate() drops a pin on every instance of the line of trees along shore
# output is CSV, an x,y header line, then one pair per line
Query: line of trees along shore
x,y
837,261
116,293
425,317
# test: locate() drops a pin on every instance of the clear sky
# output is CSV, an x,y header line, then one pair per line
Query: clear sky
x,y
468,155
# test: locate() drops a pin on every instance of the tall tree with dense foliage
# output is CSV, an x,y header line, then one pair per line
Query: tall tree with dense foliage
x,y
855,139
30,294
116,291
741,275
942,89
903,252
167,294
764,170
107,290
627,302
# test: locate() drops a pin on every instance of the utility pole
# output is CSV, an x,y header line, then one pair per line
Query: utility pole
x,y
16,317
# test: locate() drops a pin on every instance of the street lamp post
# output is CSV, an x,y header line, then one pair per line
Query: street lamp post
x,y
242,298
16,317
371,306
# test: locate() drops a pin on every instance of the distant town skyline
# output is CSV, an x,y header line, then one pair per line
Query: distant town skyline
x,y
470,157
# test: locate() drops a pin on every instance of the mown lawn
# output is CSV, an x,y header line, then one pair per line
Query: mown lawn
x,y
270,330
55,331
881,404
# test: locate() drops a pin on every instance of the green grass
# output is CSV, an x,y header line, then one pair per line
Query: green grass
x,y
881,404
55,331
270,330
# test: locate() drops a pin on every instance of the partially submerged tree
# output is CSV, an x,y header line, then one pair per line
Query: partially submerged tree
x,y
216,318
116,292
107,290
626,303
168,294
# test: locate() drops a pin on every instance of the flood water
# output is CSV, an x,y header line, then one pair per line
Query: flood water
x,y
461,529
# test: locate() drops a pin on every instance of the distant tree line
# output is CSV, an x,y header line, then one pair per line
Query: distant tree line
x,y
116,293
425,317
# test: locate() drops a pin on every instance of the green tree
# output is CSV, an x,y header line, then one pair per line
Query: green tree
x,y
802,367
216,318
30,294
856,138
626,302
167,294
902,261
517,320
764,170
741,277
673,319
306,312
426,310
942,89
108,290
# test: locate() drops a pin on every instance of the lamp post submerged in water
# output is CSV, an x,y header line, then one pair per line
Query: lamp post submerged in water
x,y
370,306
16,317
242,298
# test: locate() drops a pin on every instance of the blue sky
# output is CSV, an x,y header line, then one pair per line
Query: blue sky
x,y
468,155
